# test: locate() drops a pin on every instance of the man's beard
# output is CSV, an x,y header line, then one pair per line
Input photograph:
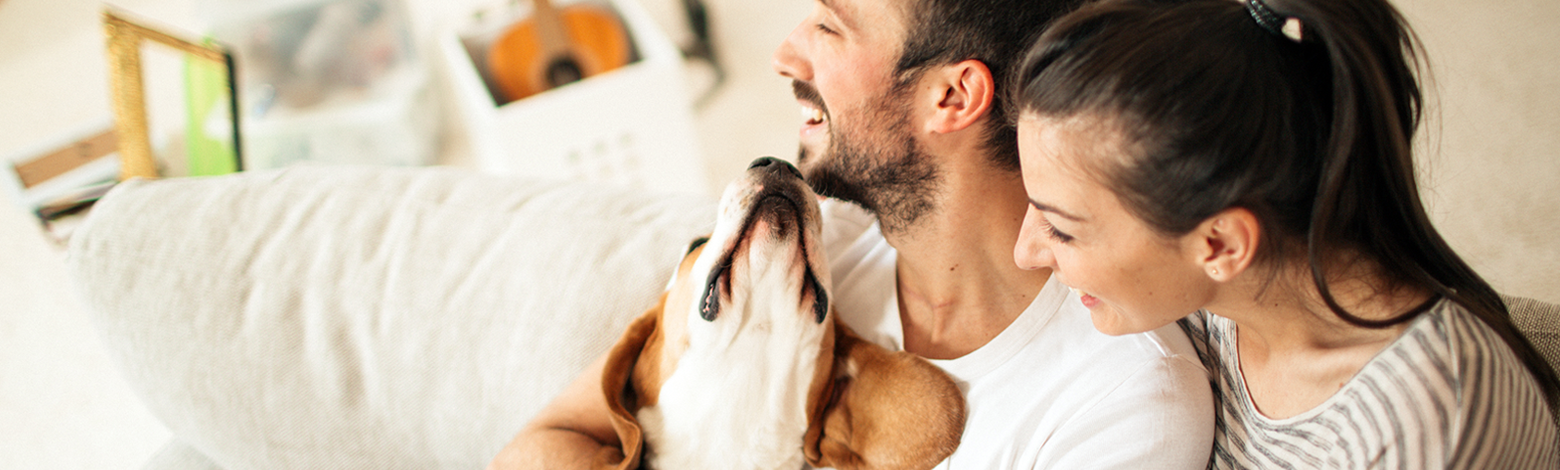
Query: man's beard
x,y
889,174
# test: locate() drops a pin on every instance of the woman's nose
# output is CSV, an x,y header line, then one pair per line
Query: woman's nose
x,y
1033,249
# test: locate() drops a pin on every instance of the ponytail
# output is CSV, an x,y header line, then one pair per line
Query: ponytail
x,y
1369,198
1301,111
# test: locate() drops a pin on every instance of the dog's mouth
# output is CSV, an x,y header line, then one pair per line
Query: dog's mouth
x,y
778,212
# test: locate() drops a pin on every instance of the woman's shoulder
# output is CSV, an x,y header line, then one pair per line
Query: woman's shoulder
x,y
1448,350
1493,400
1452,337
1207,333
1446,393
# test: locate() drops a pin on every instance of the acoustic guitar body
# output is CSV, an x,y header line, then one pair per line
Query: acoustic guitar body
x,y
524,62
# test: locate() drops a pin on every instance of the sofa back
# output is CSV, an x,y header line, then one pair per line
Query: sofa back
x,y
1540,323
344,317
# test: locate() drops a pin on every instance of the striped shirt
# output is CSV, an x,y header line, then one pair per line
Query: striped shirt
x,y
1448,393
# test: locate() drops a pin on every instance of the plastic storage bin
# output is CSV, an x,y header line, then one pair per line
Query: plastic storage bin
x,y
328,80
631,126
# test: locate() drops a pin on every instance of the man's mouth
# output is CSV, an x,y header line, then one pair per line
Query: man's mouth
x,y
812,115
813,110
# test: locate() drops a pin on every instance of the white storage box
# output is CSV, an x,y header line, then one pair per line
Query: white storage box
x,y
631,126
333,81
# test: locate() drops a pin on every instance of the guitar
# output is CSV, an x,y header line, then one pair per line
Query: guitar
x,y
556,46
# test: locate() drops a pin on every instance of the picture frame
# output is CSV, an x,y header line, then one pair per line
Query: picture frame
x,y
125,38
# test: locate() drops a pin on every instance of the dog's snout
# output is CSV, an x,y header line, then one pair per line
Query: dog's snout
x,y
775,164
761,162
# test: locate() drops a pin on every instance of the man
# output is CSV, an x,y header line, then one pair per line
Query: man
x,y
907,122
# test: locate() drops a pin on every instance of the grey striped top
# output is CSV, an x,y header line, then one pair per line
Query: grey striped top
x,y
1448,393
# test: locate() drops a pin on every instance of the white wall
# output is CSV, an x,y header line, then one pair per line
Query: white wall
x,y
1494,153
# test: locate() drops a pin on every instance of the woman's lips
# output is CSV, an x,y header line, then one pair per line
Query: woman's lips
x,y
1089,301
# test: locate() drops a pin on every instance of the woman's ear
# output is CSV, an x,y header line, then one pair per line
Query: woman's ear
x,y
963,93
1226,244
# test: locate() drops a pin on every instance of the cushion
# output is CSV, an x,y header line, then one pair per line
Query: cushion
x,y
1540,323
176,455
352,317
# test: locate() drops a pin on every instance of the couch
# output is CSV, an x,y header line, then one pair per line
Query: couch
x,y
351,317
345,317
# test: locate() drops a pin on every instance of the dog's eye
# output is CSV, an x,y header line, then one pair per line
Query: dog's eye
x,y
820,298
709,303
697,242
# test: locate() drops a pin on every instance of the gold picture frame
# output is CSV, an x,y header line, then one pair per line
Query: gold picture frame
x,y
124,40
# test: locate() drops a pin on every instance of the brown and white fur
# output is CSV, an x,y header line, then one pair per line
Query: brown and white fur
x,y
744,365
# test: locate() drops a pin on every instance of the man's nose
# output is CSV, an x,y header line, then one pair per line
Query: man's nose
x,y
788,60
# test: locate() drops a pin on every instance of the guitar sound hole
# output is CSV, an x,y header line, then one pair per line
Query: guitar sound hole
x,y
563,70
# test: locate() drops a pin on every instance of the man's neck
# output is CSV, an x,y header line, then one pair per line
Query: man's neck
x,y
958,284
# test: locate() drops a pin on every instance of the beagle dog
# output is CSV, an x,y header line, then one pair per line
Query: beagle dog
x,y
743,364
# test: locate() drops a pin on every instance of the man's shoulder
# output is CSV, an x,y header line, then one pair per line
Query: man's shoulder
x,y
1130,368
861,266
1150,375
1164,362
843,224
1097,366
1166,344
1133,398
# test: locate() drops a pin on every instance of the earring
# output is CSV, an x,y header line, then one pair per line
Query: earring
x,y
1214,271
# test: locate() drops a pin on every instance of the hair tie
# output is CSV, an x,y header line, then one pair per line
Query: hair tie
x,y
1288,27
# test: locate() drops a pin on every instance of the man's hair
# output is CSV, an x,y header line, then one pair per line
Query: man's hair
x,y
995,32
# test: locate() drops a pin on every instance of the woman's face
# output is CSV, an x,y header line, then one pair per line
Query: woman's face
x,y
1131,278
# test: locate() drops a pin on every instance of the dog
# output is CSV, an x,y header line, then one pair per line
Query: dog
x,y
743,364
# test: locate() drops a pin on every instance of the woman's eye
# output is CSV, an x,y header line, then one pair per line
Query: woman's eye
x,y
1060,237
825,29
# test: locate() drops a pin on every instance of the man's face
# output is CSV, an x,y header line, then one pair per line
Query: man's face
x,y
857,139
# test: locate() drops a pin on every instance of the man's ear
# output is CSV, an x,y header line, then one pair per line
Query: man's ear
x,y
1226,244
963,94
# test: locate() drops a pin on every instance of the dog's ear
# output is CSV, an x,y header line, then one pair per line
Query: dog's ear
x,y
884,410
623,399
821,396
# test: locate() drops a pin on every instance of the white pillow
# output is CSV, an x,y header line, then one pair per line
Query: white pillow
x,y
349,317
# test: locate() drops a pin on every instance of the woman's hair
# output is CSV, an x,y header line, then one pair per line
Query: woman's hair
x,y
1222,107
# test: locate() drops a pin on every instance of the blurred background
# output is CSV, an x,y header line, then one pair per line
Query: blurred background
x,y
414,90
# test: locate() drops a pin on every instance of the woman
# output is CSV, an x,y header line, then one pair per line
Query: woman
x,y
1252,163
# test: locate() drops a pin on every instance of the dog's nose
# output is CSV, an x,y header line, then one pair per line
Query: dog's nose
x,y
771,162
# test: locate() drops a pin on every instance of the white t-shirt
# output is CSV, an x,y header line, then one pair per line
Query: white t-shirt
x,y
1049,391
